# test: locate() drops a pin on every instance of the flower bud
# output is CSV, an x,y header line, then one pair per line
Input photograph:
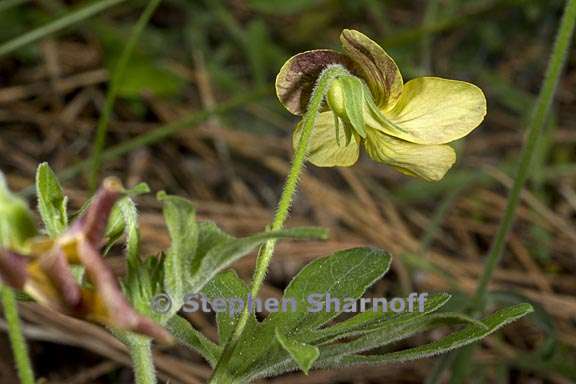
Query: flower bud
x,y
336,99
346,98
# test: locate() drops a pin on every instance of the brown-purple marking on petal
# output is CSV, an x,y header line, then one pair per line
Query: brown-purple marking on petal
x,y
101,276
93,223
12,269
375,66
57,269
108,304
147,327
297,77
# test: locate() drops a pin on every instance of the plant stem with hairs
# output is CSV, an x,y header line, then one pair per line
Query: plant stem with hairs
x,y
265,255
17,341
538,120
142,360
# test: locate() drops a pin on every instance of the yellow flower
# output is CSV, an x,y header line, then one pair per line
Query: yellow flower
x,y
43,269
406,126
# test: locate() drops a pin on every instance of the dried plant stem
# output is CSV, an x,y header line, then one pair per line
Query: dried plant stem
x,y
286,199
19,347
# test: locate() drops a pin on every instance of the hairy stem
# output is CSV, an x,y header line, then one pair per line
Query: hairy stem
x,y
142,360
119,71
286,199
19,347
535,127
537,122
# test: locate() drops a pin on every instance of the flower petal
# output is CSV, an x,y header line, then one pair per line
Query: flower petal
x,y
106,304
12,268
40,287
432,110
92,223
50,281
375,65
297,77
429,162
54,265
324,149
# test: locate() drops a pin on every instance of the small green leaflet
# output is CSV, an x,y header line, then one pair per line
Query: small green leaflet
x,y
51,201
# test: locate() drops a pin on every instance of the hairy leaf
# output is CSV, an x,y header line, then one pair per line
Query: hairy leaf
x,y
227,252
192,338
180,218
51,201
345,274
471,333
227,285
303,354
371,320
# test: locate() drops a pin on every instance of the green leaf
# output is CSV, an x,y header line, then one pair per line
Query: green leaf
x,y
343,275
225,253
121,215
180,218
185,333
468,335
402,327
368,321
341,355
137,190
399,329
139,287
209,235
51,201
303,354
227,285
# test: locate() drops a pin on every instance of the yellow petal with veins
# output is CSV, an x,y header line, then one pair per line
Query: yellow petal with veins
x,y
432,110
324,150
429,162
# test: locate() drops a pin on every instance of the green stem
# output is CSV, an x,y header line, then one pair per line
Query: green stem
x,y
286,199
142,360
19,347
537,122
117,76
535,126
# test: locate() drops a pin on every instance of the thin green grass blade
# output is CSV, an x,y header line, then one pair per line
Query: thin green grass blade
x,y
119,72
535,127
63,22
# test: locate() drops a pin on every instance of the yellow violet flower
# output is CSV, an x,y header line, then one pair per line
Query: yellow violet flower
x,y
406,126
